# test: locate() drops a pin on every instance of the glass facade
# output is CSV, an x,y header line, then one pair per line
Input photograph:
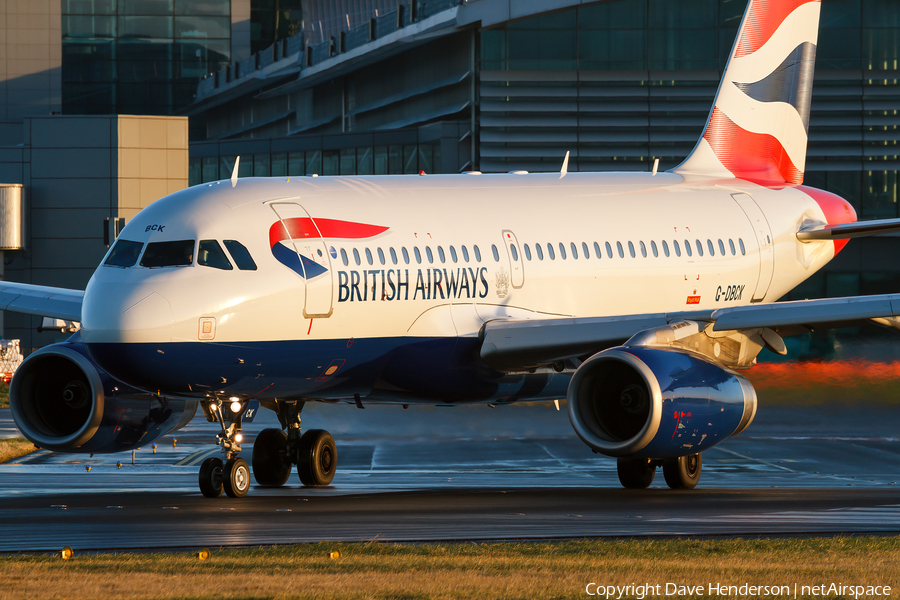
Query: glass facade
x,y
622,82
140,56
273,20
389,159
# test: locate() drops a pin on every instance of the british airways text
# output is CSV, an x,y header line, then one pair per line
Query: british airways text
x,y
399,284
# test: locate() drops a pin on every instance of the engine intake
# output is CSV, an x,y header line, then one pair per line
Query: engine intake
x,y
61,400
656,403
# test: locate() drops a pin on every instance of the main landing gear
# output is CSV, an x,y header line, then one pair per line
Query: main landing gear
x,y
680,473
274,452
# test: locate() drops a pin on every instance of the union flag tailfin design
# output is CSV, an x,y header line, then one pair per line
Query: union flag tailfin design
x,y
757,129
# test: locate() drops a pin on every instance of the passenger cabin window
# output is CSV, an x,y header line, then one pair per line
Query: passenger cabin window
x,y
527,251
721,248
393,256
356,257
699,248
477,253
540,252
465,254
496,254
643,249
169,254
550,252
418,255
574,249
124,254
597,252
665,248
381,256
344,258
562,251
453,254
405,255
731,245
677,248
210,254
621,251
709,245
241,256
687,247
441,254
369,256
741,244
631,249
609,250
584,250
429,254
515,253
655,250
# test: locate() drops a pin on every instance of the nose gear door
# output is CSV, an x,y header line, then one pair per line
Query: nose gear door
x,y
310,259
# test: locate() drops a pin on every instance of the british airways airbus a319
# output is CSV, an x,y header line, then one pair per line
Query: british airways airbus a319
x,y
639,297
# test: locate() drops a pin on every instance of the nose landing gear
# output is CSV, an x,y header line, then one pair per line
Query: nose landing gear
x,y
234,475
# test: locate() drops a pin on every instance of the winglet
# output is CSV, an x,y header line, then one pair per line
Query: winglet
x,y
237,163
565,167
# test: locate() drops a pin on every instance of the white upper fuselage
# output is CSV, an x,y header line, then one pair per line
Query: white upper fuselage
x,y
437,213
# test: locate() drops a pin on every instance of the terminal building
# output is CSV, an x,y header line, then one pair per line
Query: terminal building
x,y
344,87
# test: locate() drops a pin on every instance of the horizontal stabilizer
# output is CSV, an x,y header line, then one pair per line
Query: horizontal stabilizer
x,y
42,301
845,231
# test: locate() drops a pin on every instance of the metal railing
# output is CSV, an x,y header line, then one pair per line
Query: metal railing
x,y
406,13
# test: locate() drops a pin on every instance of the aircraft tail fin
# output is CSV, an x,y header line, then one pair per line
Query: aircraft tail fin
x,y
757,129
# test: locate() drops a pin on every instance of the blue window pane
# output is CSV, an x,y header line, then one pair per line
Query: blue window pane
x,y
203,27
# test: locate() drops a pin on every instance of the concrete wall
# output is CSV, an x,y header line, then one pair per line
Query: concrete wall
x,y
77,172
30,58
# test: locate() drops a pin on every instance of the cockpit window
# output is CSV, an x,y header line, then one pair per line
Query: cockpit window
x,y
210,254
244,261
169,254
124,254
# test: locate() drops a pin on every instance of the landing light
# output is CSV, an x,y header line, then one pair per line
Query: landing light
x,y
235,406
239,438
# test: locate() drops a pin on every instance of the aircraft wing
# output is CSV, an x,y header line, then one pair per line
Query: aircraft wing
x,y
520,344
42,301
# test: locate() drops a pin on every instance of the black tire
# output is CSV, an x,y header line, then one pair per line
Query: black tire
x,y
271,466
237,478
211,477
317,458
635,473
683,473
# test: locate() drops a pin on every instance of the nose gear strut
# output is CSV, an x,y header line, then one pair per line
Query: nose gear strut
x,y
231,474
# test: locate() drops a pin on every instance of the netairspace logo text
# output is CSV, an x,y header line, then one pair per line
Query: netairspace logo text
x,y
663,590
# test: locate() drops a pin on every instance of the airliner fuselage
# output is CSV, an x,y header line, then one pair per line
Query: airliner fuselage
x,y
397,275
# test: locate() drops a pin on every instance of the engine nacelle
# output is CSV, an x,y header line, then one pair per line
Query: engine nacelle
x,y
62,401
657,403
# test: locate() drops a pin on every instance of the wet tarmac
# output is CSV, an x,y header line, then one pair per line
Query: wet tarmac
x,y
465,473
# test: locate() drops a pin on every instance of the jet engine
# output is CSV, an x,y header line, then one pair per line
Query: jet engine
x,y
61,400
657,403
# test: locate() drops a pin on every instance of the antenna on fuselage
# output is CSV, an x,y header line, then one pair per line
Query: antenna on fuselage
x,y
565,167
237,162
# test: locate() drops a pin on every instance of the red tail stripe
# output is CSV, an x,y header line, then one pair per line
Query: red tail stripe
x,y
757,157
763,20
299,228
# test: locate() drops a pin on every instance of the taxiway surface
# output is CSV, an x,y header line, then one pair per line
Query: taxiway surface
x,y
466,473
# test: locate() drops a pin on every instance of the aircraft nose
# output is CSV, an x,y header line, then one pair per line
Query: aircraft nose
x,y
115,313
